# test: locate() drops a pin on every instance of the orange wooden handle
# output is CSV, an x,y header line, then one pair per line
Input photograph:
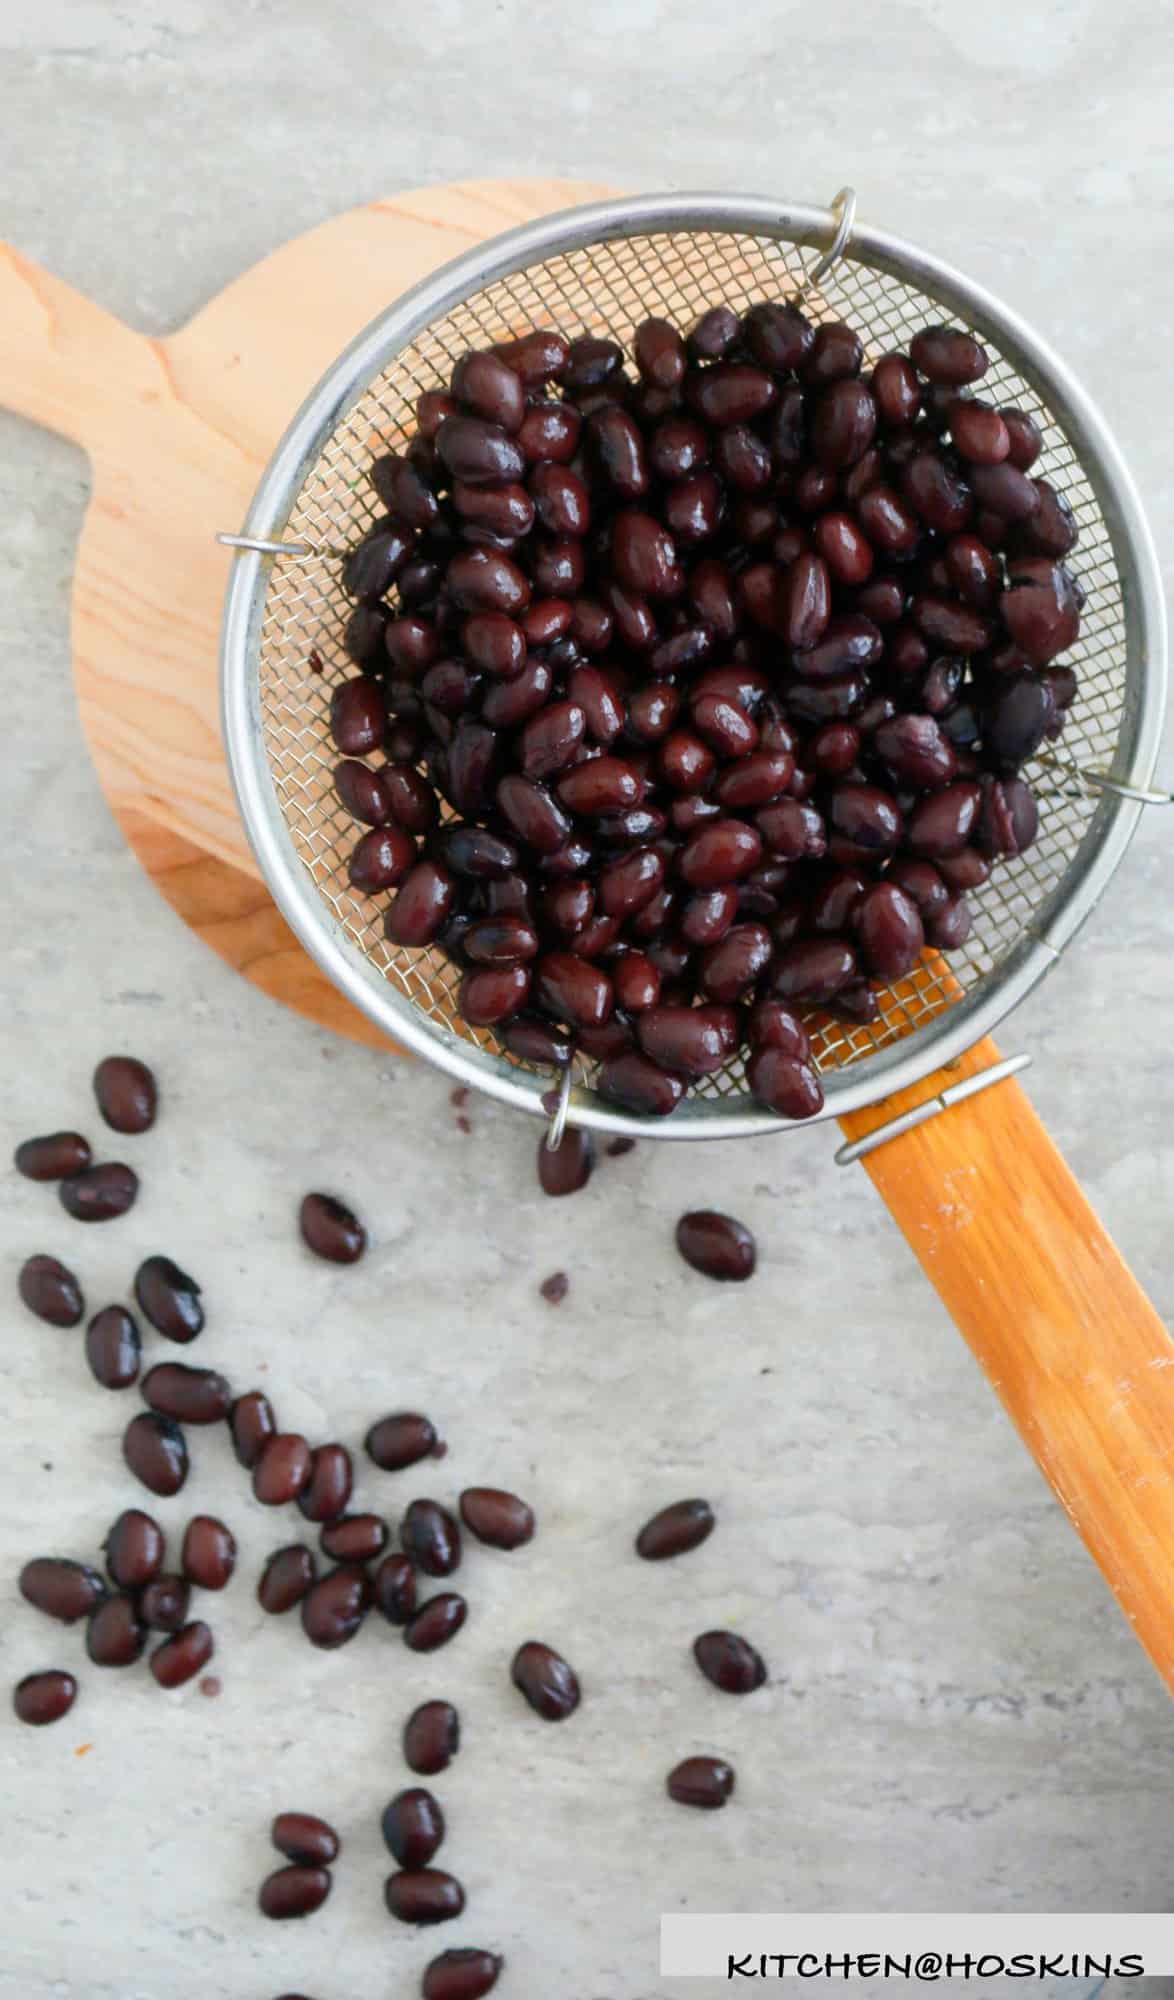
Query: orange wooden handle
x,y
1072,1346
66,362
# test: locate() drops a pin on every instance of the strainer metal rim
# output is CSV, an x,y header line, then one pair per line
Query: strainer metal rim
x,y
950,1033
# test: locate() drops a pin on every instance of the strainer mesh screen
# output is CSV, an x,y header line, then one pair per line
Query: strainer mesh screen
x,y
608,288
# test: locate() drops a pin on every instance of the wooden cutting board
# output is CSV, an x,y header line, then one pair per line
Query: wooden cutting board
x,y
178,432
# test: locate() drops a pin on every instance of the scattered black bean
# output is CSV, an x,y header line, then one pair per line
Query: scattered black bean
x,y
499,1518
283,1469
467,1974
156,1453
328,1490
424,1896
565,1168
394,1589
701,1781
209,1552
550,1686
675,1530
115,1635
135,1548
252,1424
113,1347
432,1737
163,1603
437,1621
190,1395
413,1827
729,1662
335,1606
294,1892
127,1094
49,1289
287,1576
169,1298
330,1229
401,1440
43,1698
182,1656
354,1538
61,1589
430,1535
717,1245
99,1193
303,1838
54,1157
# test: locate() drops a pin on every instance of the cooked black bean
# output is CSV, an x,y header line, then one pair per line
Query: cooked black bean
x,y
294,1892
413,1827
354,1538
285,1579
461,1975
163,1603
169,1298
401,1440
181,1657
675,1530
436,1621
43,1698
328,1490
283,1469
113,1348
549,1684
330,1229
252,1424
432,1737
335,1606
394,1587
430,1535
49,1289
730,1662
156,1453
115,1635
209,1552
715,1244
496,1517
53,1157
127,1094
304,1838
706,1782
565,1168
190,1395
424,1896
60,1588
135,1547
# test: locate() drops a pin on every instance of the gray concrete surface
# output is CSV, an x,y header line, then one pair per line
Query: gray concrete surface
x,y
957,1718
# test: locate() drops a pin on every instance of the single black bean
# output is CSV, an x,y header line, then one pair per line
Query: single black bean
x,y
549,1684
61,1589
888,926
498,1518
420,905
639,1086
730,1662
942,823
335,1606
438,1620
252,1424
154,1449
947,355
52,1157
430,1535
98,1194
283,1469
706,1782
163,1603
288,1574
413,1827
717,1245
209,1552
304,1838
115,1635
461,1975
401,1440
190,1395
394,1588
432,1737
675,1530
357,716
135,1548
45,1697
127,1094
896,390
330,1229
424,1896
293,1892
328,1490
835,352
785,1084
354,1538
181,1657
691,1041
169,1298
565,1168
49,1289
113,1347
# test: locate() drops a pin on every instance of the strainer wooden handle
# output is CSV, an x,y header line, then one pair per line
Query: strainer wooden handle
x,y
1072,1346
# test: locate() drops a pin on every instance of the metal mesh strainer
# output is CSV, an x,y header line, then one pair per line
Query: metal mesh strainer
x,y
603,269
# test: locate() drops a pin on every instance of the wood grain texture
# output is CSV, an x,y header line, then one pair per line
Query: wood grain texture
x,y
178,431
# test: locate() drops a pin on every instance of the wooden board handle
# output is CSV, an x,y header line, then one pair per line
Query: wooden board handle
x,y
1072,1346
64,361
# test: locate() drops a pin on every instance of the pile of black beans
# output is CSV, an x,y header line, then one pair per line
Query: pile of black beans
x,y
726,668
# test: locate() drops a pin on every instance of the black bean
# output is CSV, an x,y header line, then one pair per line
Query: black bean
x,y
413,1827
438,1620
190,1395
330,1229
948,355
127,1094
252,1424
549,1684
61,1589
639,1086
354,1538
675,1530
430,1535
394,1588
498,1518
889,929
45,1697
53,1157
294,1892
155,1451
706,1782
98,1194
49,1289
424,1896
163,1603
401,1440
461,1975
730,1662
181,1657
304,1838
287,1576
717,1245
115,1635
335,1606
283,1469
169,1298
432,1737
113,1347
787,1084
565,1168
328,1490
209,1552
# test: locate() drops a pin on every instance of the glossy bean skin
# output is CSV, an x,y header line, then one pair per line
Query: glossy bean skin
x,y
330,1229
283,1469
286,1578
812,970
294,1891
546,1680
716,1245
675,1530
182,1656
731,967
843,424
729,1662
50,1290
398,1441
327,1492
304,1838
412,1827
357,717
52,1157
705,1782
467,1974
640,1086
99,1193
169,1298
381,859
189,1395
948,356
436,1621
61,1589
1040,611
943,822
500,1519
896,390
432,1738
692,1042
565,1168
209,1553
354,1538
785,1084
163,1604
335,1606
570,990
619,448
135,1548
40,1699
127,1094
889,931
115,1635
394,1589
252,1424
154,1450
424,1896
430,1536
